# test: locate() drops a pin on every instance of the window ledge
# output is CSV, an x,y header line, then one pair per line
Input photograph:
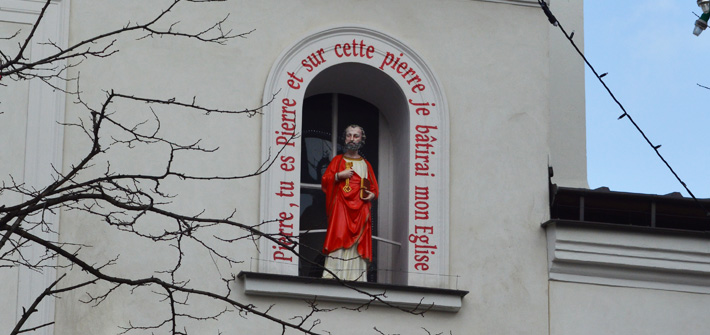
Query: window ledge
x,y
410,297
529,3
628,256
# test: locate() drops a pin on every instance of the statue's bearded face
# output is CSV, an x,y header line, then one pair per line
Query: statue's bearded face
x,y
353,138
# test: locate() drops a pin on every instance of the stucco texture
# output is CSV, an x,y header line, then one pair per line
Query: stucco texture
x,y
493,63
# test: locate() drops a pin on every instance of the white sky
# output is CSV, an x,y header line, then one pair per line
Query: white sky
x,y
654,64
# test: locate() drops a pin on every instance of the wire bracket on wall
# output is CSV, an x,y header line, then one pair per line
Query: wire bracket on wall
x,y
553,20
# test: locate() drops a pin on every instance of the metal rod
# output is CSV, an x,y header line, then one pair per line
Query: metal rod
x,y
384,240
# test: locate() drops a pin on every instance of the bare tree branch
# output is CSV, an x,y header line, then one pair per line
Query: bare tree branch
x,y
137,203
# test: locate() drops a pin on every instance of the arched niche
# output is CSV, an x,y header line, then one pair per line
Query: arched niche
x,y
378,68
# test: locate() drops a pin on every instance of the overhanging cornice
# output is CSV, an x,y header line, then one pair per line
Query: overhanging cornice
x,y
628,256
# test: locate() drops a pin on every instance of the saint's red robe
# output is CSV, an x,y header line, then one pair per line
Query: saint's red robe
x,y
349,217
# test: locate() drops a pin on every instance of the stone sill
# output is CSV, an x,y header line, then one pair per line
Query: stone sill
x,y
406,297
628,256
529,3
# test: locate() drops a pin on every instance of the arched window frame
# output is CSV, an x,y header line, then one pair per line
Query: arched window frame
x,y
426,137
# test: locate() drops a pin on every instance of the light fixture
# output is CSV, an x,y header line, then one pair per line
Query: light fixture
x,y
704,5
701,24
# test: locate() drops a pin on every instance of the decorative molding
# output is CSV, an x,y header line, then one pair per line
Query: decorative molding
x,y
44,142
628,256
20,11
421,298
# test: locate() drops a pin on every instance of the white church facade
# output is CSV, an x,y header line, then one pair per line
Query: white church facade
x,y
475,121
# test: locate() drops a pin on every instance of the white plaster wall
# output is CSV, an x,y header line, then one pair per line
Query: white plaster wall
x,y
13,126
579,309
498,99
568,136
495,73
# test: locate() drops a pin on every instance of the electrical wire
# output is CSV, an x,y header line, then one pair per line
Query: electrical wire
x,y
553,20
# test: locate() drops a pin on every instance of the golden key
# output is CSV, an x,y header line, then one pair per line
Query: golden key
x,y
346,188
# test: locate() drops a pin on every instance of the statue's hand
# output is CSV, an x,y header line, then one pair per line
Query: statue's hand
x,y
345,174
369,196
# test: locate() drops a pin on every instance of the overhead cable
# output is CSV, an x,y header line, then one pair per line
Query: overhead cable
x,y
553,20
